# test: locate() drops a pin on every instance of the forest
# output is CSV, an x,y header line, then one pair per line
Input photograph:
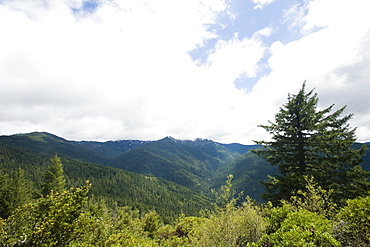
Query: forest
x,y
307,186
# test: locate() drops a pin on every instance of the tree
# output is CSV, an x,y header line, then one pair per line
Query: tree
x,y
53,220
14,192
151,223
5,196
54,180
312,142
229,224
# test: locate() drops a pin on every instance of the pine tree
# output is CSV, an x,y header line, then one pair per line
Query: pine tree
x,y
5,207
54,180
14,192
306,141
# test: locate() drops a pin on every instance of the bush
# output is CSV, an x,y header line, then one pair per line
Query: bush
x,y
354,226
301,228
230,227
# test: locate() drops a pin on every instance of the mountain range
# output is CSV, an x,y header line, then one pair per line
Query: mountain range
x,y
169,175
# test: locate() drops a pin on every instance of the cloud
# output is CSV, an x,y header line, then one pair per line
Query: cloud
x,y
331,56
261,3
122,70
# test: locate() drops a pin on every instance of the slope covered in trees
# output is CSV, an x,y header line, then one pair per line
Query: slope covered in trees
x,y
199,164
113,185
189,163
70,218
248,170
49,144
112,149
319,189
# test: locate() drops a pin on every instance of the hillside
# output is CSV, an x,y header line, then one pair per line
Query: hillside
x,y
198,165
248,170
366,164
126,188
49,144
239,148
112,149
189,163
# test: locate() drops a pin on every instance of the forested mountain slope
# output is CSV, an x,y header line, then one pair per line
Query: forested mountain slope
x,y
248,170
114,185
366,164
45,143
112,149
199,164
189,163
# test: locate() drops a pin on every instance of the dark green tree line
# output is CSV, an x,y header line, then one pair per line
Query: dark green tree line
x,y
318,143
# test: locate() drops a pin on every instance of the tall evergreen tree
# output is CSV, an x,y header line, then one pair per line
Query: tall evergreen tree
x,y
54,178
14,192
5,195
318,143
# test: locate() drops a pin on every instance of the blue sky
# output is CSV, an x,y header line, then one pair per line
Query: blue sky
x,y
112,69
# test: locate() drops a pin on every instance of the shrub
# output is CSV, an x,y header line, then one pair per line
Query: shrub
x,y
354,226
301,228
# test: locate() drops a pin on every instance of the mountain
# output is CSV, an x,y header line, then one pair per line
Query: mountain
x,y
248,170
366,164
198,165
125,188
239,148
189,163
112,149
45,143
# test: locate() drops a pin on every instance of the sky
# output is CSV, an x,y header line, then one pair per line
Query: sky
x,y
213,69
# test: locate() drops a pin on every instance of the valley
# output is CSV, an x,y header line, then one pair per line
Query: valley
x,y
170,176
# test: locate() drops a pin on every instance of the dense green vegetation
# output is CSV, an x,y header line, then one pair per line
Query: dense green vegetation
x,y
48,144
69,218
200,164
188,163
306,141
112,149
54,192
248,170
115,186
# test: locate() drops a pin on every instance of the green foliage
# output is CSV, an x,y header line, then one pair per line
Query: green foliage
x,y
5,196
304,220
14,192
117,186
188,163
128,209
127,239
180,233
49,144
229,225
354,226
54,181
48,221
314,199
248,170
306,141
301,228
151,223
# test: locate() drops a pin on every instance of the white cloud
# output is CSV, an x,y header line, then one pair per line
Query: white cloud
x,y
123,71
236,56
261,3
331,57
